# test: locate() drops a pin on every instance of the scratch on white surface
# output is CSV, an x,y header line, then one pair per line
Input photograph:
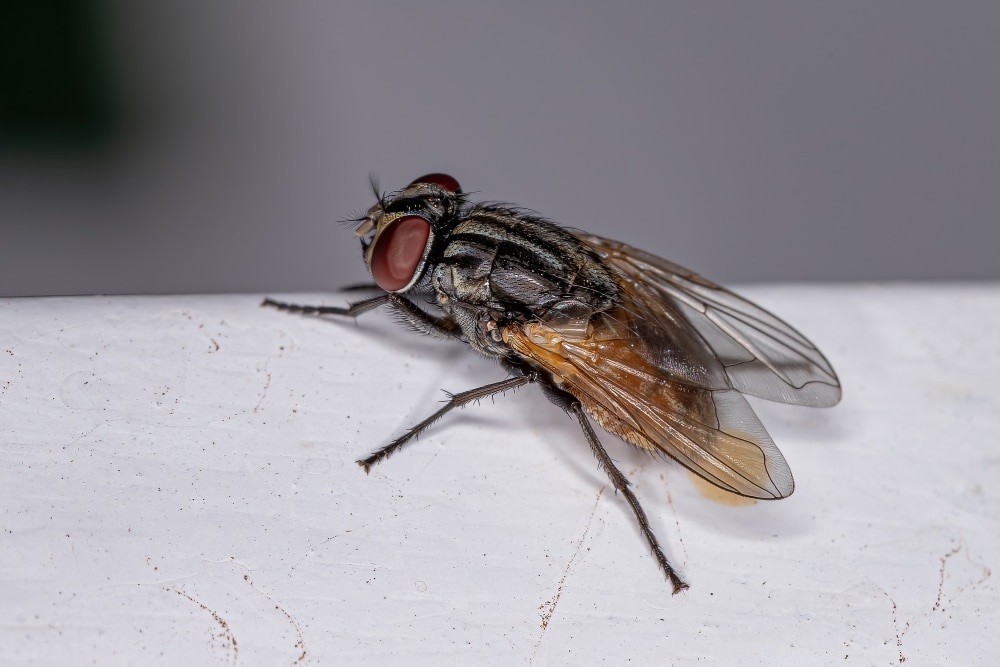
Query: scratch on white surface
x,y
895,625
942,597
984,573
263,393
231,559
679,537
300,642
944,564
420,473
228,639
96,426
6,384
311,550
548,608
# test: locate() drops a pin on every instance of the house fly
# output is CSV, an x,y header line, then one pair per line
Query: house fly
x,y
651,351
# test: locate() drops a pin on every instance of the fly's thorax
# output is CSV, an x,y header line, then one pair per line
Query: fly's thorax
x,y
516,263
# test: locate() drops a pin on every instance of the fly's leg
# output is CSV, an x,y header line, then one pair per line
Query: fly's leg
x,y
454,401
352,310
361,287
569,403
421,321
407,311
622,484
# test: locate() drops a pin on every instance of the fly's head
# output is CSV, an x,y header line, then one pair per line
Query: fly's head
x,y
399,232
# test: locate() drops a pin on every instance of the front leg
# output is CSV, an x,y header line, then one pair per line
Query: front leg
x,y
352,310
409,312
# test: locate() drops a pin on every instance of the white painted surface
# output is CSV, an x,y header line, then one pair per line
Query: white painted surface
x,y
177,486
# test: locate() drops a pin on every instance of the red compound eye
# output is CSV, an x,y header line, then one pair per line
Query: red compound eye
x,y
442,180
398,250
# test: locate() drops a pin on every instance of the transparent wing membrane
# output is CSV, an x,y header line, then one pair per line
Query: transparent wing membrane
x,y
761,354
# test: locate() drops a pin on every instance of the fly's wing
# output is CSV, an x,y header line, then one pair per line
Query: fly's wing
x,y
761,355
614,373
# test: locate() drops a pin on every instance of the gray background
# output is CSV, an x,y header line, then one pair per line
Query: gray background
x,y
749,141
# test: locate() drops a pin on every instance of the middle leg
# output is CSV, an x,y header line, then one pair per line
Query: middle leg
x,y
455,401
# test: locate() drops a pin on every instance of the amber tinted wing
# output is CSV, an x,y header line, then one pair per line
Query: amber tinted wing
x,y
666,370
760,354
611,370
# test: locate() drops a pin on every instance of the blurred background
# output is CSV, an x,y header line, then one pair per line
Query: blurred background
x,y
212,146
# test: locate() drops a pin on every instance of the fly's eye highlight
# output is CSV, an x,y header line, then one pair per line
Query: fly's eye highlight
x,y
443,181
398,251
